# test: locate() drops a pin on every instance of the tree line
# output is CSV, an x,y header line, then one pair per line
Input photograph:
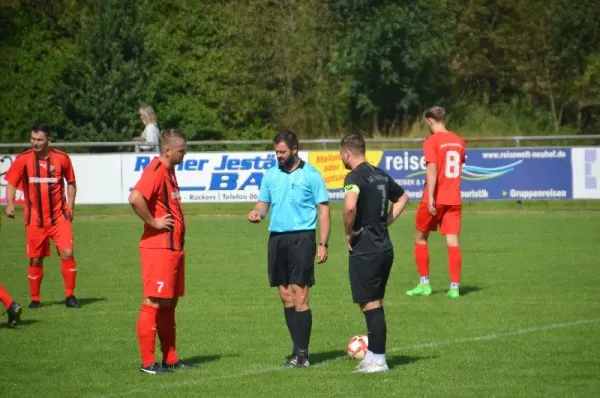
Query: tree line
x,y
224,69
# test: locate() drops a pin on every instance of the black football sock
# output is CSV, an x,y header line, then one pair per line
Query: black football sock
x,y
377,330
290,320
304,327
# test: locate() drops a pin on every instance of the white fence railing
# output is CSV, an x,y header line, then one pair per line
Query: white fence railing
x,y
514,140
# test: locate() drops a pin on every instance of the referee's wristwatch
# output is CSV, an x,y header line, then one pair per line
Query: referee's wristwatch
x,y
324,244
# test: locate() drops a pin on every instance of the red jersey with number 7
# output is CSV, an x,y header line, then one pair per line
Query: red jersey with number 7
x,y
158,185
447,151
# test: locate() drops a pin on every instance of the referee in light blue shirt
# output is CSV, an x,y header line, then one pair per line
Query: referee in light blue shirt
x,y
297,195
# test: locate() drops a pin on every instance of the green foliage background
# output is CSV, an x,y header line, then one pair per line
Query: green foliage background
x,y
242,69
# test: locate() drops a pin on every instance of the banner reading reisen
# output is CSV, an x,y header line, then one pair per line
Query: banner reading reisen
x,y
519,174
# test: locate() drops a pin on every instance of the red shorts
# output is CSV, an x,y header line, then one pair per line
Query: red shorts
x,y
448,217
38,238
163,272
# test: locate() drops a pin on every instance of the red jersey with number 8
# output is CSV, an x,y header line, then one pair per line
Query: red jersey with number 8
x,y
447,151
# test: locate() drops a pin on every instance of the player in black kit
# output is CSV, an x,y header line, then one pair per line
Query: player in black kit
x,y
367,190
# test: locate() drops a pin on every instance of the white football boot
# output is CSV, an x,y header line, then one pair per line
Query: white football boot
x,y
371,367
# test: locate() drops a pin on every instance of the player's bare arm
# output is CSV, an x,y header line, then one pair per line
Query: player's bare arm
x,y
11,191
324,230
140,206
349,215
71,193
431,178
397,208
259,212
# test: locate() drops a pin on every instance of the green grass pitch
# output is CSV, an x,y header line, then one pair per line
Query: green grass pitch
x,y
527,325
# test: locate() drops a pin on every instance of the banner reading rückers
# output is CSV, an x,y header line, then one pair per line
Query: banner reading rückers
x,y
519,174
209,176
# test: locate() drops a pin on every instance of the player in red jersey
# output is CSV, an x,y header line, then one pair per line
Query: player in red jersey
x,y
156,200
441,203
48,211
13,309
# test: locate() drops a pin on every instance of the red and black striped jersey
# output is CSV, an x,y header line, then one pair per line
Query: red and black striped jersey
x,y
43,182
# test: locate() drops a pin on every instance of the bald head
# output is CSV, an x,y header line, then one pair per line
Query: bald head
x,y
172,146
169,137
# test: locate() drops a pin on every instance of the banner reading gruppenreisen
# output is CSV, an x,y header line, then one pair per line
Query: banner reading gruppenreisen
x,y
504,173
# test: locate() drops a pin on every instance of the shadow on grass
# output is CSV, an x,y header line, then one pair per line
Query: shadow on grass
x,y
391,359
202,359
83,301
22,323
401,360
326,356
464,290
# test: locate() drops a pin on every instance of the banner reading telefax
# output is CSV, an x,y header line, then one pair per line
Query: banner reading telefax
x,y
208,176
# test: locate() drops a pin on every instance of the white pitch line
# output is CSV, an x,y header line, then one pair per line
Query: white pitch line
x,y
434,344
487,337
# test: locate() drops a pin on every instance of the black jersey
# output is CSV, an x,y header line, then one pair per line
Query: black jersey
x,y
375,188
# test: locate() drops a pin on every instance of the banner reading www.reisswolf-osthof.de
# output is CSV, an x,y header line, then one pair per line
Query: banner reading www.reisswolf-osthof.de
x,y
505,173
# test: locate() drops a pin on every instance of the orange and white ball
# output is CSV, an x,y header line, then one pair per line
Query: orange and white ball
x,y
358,346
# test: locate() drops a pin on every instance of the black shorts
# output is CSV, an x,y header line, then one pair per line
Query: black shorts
x,y
292,258
369,274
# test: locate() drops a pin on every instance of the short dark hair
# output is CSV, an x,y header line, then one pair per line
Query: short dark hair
x,y
290,139
436,113
44,128
168,134
354,142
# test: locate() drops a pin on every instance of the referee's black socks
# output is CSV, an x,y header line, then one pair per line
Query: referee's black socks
x,y
377,330
290,320
303,328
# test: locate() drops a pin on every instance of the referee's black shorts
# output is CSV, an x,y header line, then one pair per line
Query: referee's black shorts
x,y
369,274
292,258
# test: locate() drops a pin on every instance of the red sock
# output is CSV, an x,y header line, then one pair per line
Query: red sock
x,y
5,297
422,259
454,263
68,268
35,275
146,332
166,333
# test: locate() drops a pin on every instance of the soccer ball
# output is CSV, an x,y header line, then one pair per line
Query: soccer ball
x,y
357,347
